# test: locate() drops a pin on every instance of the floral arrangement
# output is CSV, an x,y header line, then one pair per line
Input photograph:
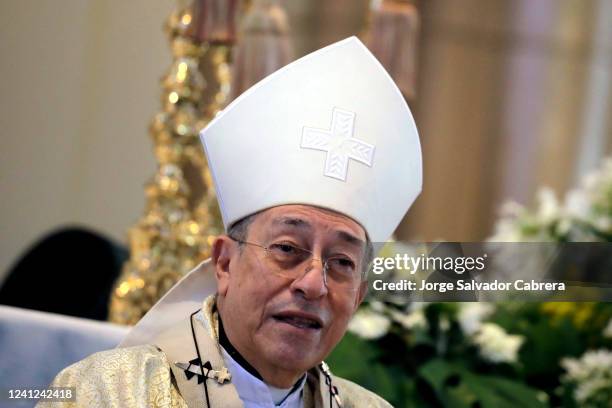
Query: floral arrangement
x,y
555,354
590,378
492,355
584,216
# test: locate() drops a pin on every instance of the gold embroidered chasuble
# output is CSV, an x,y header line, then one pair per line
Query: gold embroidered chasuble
x,y
147,375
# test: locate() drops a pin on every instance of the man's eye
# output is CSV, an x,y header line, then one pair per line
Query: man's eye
x,y
345,265
286,248
283,249
287,254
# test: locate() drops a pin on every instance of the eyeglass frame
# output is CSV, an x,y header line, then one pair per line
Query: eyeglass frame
x,y
311,258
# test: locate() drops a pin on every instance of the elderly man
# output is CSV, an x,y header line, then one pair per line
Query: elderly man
x,y
304,202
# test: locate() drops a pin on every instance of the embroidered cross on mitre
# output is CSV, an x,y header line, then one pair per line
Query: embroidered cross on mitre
x,y
339,144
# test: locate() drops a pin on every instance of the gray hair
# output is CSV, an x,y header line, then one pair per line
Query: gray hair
x,y
240,230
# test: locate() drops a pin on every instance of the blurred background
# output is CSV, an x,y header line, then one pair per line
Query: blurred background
x,y
509,96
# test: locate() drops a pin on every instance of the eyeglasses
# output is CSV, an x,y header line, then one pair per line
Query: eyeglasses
x,y
339,272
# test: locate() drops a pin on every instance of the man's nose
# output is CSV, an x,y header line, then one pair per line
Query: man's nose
x,y
312,283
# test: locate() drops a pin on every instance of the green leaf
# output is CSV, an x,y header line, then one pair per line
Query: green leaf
x,y
498,392
436,372
358,360
455,386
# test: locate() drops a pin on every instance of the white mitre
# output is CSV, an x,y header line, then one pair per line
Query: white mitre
x,y
330,130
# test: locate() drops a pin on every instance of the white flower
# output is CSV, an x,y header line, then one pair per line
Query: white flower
x,y
608,330
377,306
543,397
444,323
577,205
591,180
410,320
602,223
368,324
414,306
496,345
588,389
472,314
585,213
549,209
591,363
507,229
512,209
592,373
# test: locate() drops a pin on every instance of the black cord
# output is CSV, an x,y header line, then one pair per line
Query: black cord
x,y
328,380
333,390
195,342
328,383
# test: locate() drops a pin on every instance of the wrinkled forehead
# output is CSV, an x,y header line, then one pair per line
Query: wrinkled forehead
x,y
311,219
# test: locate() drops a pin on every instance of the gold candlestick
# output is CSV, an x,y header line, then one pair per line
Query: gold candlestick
x,y
181,216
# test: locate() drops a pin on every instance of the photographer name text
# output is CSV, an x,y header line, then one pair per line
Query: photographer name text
x,y
468,285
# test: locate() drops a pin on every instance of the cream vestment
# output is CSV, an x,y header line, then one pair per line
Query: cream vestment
x,y
148,376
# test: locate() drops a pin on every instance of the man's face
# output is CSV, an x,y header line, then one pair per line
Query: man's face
x,y
281,323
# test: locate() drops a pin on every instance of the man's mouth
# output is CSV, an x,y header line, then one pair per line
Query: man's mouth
x,y
300,320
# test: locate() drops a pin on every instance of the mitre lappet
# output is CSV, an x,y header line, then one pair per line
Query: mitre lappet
x,y
330,130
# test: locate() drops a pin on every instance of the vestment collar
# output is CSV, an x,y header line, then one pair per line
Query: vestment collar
x,y
178,345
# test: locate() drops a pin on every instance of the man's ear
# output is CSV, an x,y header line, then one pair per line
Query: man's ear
x,y
363,291
221,254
